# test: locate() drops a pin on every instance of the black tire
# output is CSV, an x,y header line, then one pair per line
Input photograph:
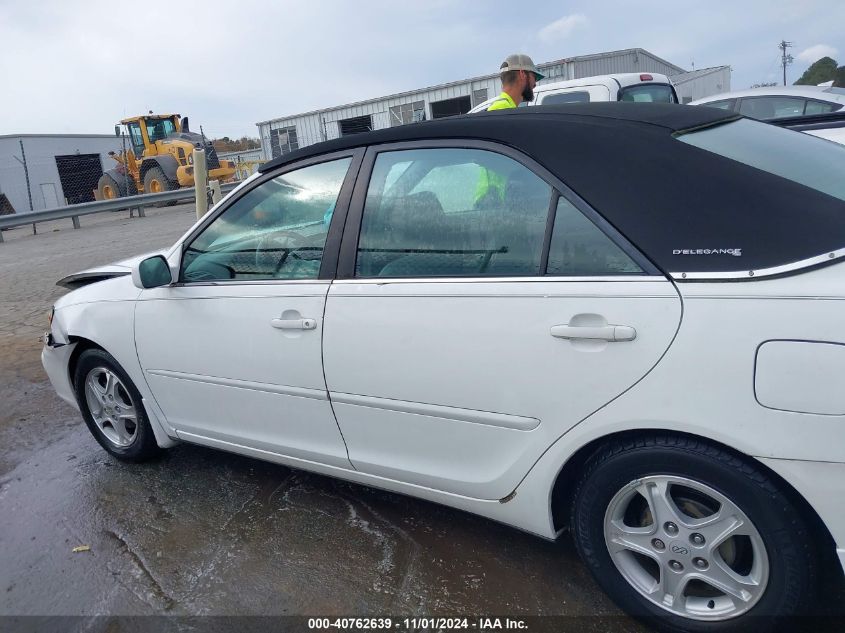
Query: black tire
x,y
156,181
109,188
140,441
784,533
113,184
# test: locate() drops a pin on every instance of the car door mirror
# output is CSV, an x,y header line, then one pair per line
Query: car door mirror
x,y
152,272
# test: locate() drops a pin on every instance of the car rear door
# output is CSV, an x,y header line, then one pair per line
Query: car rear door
x,y
482,309
233,352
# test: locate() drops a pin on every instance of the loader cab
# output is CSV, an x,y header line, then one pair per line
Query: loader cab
x,y
136,138
145,131
159,128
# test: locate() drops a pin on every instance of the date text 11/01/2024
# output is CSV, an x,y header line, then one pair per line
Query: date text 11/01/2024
x,y
415,624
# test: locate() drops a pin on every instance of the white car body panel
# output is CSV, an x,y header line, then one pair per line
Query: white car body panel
x,y
438,348
837,135
240,372
820,483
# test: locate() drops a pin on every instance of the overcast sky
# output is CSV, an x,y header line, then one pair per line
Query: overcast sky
x,y
78,67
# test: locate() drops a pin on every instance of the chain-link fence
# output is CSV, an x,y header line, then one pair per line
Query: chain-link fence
x,y
149,154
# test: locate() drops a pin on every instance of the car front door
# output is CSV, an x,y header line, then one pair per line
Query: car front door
x,y
232,352
480,317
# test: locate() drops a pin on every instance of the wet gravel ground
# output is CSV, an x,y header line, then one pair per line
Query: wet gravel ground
x,y
205,533
202,532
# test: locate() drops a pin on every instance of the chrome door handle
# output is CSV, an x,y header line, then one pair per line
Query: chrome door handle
x,y
610,333
294,324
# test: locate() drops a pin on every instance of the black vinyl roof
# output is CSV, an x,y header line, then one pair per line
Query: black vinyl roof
x,y
664,195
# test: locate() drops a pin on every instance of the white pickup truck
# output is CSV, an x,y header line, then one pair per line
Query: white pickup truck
x,y
639,87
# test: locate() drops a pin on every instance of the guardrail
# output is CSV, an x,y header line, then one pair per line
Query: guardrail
x,y
74,211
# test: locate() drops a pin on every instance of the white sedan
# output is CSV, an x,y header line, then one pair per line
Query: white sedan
x,y
616,319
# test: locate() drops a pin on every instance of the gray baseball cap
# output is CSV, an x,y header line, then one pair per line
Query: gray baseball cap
x,y
519,61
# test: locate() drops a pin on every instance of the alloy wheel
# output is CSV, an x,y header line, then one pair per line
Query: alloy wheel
x,y
686,548
111,406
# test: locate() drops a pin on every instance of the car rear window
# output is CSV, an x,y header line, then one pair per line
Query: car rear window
x,y
648,93
578,96
805,159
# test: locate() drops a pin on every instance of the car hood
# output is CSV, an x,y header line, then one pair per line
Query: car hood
x,y
106,271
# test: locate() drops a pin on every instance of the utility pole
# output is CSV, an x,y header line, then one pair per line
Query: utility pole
x,y
785,59
26,175
25,172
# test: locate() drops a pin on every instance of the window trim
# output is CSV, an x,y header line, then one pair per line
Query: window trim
x,y
349,245
328,263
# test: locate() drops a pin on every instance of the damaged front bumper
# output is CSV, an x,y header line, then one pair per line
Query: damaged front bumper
x,y
55,357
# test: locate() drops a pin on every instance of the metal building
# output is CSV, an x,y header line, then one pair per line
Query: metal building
x,y
698,84
43,171
285,134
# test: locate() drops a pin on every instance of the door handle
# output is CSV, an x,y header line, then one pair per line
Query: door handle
x,y
294,324
610,333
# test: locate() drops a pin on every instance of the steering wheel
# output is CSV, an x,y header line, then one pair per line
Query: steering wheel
x,y
282,241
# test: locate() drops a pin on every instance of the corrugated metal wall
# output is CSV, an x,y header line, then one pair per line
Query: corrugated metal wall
x,y
41,152
633,61
714,83
320,126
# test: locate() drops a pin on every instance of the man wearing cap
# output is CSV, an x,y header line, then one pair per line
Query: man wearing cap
x,y
519,76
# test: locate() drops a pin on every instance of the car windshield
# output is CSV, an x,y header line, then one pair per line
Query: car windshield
x,y
805,159
648,93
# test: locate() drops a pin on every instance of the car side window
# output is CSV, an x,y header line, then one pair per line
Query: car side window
x,y
578,96
771,107
819,107
452,212
275,231
580,249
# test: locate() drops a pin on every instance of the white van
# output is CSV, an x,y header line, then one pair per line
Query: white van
x,y
643,87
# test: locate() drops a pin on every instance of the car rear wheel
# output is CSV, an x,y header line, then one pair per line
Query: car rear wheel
x,y
691,537
112,407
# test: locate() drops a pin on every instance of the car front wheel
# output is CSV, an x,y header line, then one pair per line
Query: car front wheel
x,y
112,408
691,537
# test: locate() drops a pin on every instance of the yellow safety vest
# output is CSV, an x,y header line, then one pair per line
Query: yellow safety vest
x,y
502,102
489,182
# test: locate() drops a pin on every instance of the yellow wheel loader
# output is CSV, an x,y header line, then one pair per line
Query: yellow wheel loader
x,y
160,158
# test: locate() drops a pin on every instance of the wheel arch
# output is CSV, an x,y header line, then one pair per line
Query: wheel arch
x,y
566,481
82,344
